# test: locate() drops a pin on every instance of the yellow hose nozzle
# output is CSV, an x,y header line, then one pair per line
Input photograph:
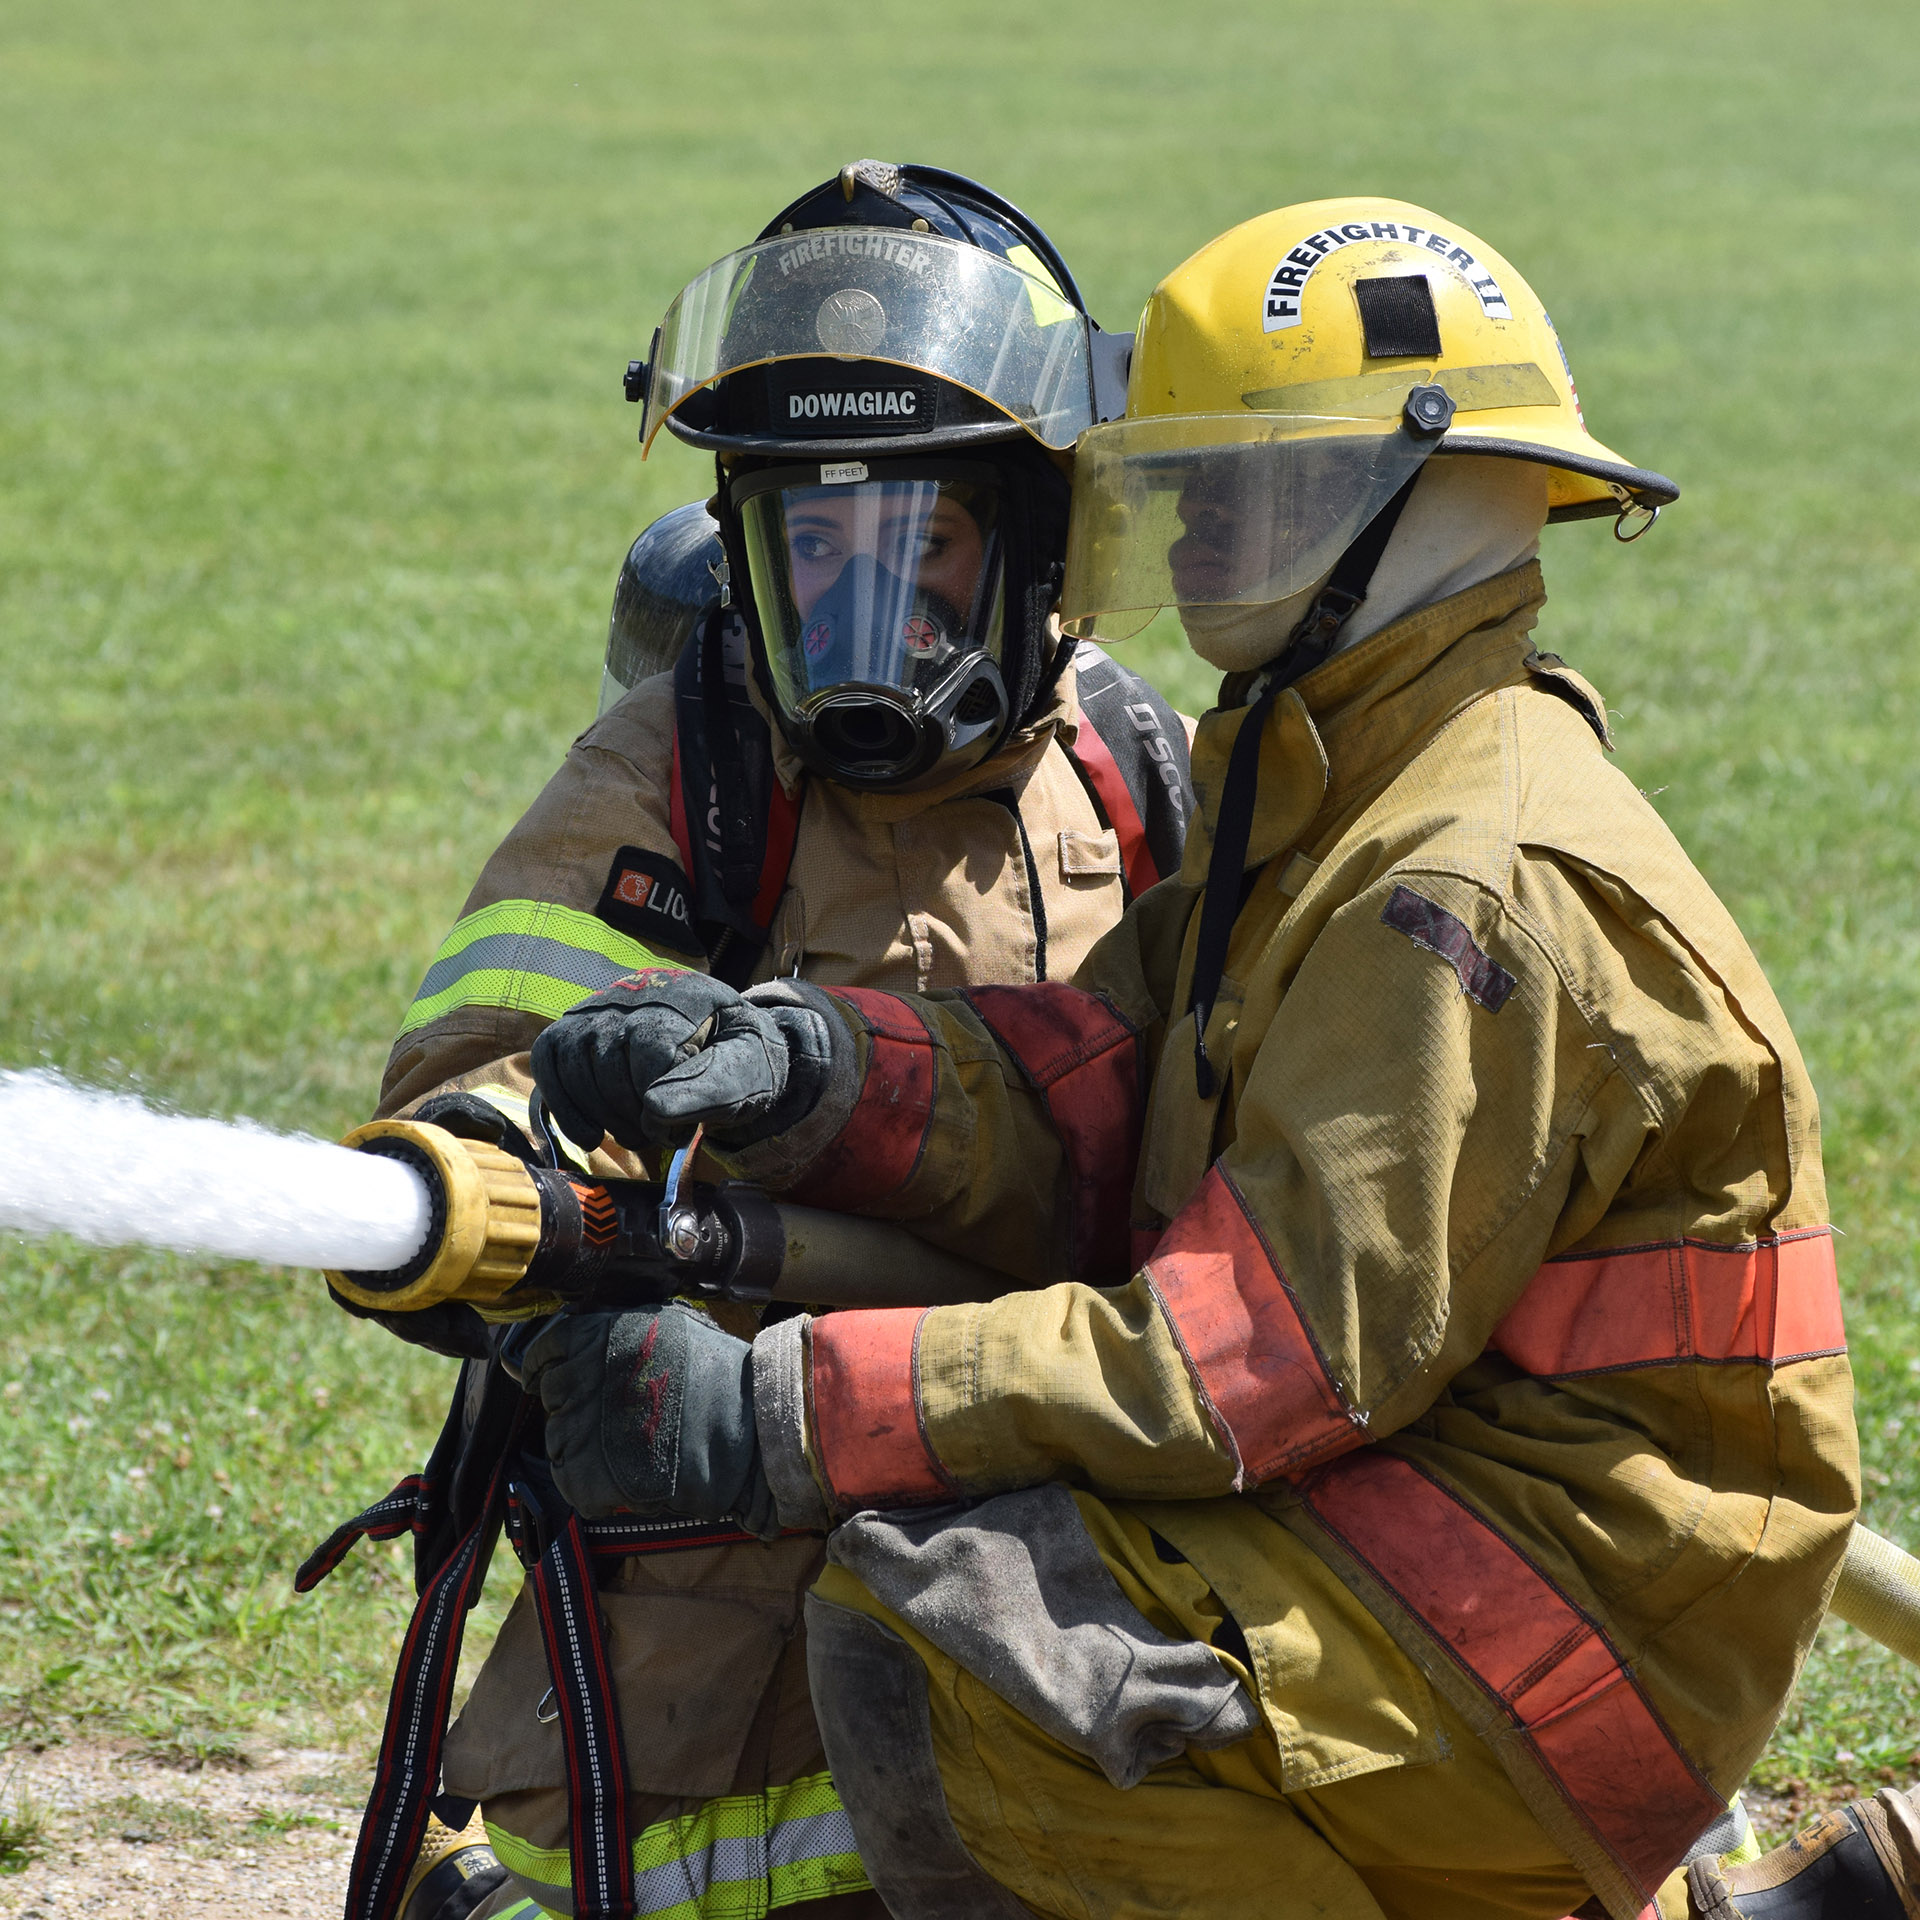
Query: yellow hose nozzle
x,y
485,1227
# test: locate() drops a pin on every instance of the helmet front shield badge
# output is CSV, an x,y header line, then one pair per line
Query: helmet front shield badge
x,y
841,320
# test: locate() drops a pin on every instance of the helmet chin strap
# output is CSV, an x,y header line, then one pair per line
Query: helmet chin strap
x,y
1311,641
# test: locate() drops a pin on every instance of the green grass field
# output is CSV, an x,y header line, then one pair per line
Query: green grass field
x,y
314,477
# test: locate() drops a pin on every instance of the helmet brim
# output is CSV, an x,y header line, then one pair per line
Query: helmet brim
x,y
962,434
1586,479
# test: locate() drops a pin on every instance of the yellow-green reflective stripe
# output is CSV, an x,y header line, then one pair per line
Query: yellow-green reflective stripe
x,y
527,956
729,1859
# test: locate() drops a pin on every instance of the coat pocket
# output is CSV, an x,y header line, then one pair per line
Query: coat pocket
x,y
692,1652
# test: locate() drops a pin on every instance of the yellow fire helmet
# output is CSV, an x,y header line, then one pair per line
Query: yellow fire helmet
x,y
1289,381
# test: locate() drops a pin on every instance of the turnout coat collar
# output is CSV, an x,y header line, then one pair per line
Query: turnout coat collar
x,y
1338,737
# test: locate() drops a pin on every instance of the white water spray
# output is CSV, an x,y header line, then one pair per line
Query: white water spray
x,y
104,1168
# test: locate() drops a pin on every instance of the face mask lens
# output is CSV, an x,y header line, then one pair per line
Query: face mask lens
x,y
887,584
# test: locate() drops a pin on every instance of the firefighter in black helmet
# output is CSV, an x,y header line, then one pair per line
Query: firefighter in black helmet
x,y
876,765
891,376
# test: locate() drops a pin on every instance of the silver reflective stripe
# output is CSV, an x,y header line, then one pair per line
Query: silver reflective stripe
x,y
812,1838
524,953
743,1858
732,1874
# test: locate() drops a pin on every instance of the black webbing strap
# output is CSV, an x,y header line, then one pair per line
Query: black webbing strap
x,y
740,846
407,1509
407,1775
558,1549
1220,904
1310,643
601,1846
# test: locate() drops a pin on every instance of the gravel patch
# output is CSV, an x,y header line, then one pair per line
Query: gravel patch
x,y
227,1832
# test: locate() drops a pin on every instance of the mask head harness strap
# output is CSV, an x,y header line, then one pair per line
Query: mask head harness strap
x,y
1428,412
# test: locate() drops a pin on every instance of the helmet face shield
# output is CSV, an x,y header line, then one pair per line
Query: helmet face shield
x,y
857,311
1198,510
881,608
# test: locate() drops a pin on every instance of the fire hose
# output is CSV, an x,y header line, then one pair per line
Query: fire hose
x,y
505,1234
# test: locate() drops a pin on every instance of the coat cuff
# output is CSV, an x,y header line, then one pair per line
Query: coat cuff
x,y
780,1414
780,1161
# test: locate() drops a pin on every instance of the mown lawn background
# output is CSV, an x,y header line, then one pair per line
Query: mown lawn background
x,y
314,477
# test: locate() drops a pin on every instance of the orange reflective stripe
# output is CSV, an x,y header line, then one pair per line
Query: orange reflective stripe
x,y
1254,1358
1546,1664
1774,1301
1083,1060
866,1415
875,1153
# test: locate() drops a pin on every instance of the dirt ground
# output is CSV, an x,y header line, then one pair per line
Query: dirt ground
x,y
246,1832
257,1832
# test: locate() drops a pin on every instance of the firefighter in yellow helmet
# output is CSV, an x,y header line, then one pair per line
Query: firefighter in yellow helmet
x,y
1414,1475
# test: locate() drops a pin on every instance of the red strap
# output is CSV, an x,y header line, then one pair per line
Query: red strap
x,y
783,829
677,810
1102,772
1774,1301
1084,1061
866,1416
1544,1663
1253,1355
875,1153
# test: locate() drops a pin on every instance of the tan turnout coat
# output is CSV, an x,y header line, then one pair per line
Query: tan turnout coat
x,y
1498,1272
907,892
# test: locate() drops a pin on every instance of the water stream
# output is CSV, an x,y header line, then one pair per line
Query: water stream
x,y
107,1169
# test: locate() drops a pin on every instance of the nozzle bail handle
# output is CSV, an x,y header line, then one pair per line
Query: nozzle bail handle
x,y
670,1194
541,1130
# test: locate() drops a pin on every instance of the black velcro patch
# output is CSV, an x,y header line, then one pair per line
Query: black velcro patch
x,y
1398,317
1433,927
648,898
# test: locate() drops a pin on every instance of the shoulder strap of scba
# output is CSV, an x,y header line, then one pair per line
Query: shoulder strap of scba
x,y
1132,756
735,824
732,821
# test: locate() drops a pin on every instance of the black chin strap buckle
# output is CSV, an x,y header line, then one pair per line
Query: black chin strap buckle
x,y
1320,625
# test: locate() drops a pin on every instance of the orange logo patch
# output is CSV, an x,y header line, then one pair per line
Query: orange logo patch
x,y
633,888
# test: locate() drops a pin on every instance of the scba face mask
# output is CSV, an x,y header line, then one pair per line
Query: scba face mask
x,y
880,594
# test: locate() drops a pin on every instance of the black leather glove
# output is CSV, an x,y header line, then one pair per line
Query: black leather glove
x,y
651,1412
659,1052
449,1328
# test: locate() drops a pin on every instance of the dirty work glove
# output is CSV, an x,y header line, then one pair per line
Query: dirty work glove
x,y
655,1054
651,1412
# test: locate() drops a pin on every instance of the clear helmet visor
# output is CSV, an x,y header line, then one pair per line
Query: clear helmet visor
x,y
882,611
1219,510
911,300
